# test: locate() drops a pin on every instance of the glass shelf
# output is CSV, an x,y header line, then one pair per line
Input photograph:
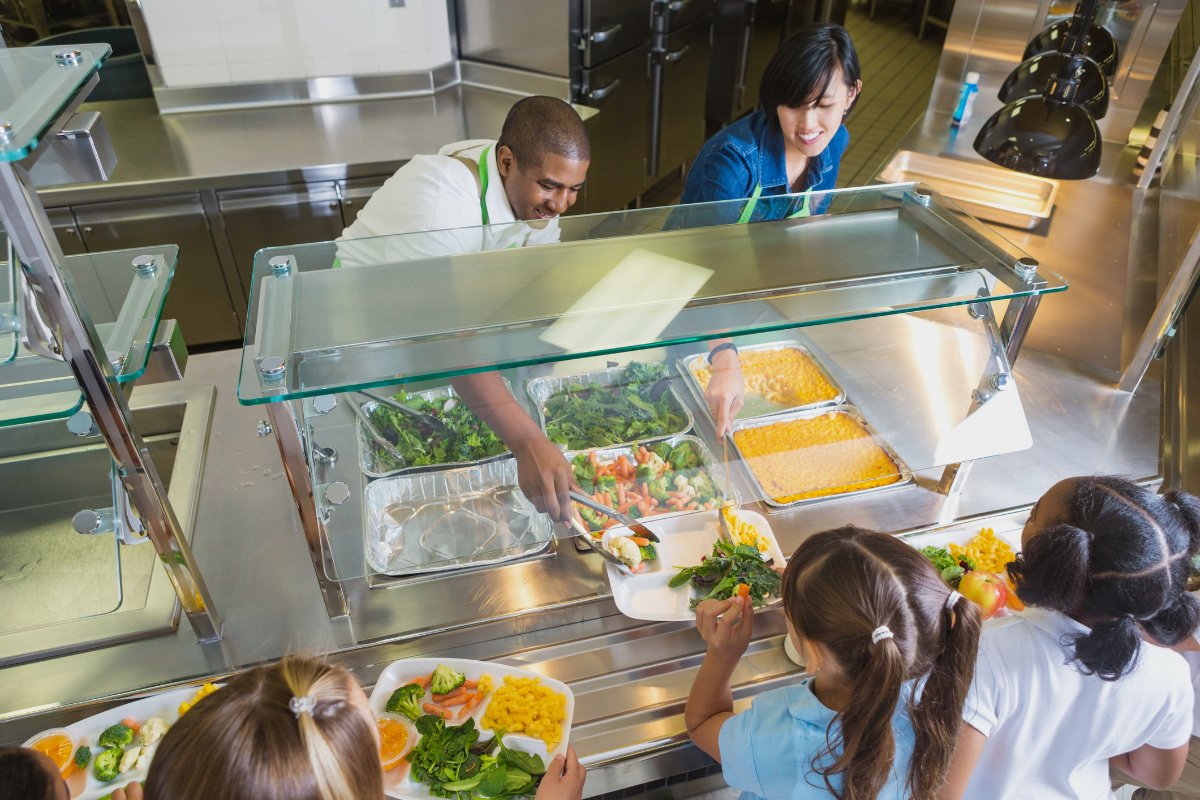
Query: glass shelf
x,y
433,306
35,89
124,303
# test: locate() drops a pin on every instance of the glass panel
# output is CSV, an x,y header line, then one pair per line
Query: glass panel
x,y
437,305
124,302
835,411
34,89
9,324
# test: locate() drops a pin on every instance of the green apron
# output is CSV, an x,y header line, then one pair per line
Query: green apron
x,y
748,211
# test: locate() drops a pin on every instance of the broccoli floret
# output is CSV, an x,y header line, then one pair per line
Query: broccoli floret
x,y
645,472
407,700
83,756
119,736
683,457
605,482
648,552
445,680
662,450
108,765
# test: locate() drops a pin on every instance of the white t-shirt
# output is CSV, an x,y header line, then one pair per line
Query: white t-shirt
x,y
1051,729
437,198
1193,661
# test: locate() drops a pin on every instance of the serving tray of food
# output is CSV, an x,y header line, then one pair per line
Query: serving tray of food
x,y
609,407
805,457
781,377
449,519
691,562
469,440
104,752
459,728
677,475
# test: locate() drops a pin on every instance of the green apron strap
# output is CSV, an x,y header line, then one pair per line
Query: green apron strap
x,y
748,211
483,184
804,207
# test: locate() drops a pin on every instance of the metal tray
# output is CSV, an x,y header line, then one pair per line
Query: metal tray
x,y
438,521
906,476
747,412
711,465
542,389
987,192
368,459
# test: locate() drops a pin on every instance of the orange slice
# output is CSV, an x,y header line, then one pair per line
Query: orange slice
x,y
59,746
393,742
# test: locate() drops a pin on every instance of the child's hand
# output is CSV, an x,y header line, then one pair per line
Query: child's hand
x,y
726,625
131,791
563,779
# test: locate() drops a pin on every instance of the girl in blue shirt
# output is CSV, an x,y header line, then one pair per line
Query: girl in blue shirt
x,y
890,651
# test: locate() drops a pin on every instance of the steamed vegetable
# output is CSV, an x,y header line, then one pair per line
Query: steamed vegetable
x,y
107,765
83,756
637,406
445,680
407,700
116,736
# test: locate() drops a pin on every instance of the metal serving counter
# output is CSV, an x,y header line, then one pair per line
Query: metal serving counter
x,y
553,615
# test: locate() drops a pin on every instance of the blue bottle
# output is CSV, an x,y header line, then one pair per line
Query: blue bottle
x,y
966,99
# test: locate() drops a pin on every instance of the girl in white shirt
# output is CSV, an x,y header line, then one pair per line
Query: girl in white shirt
x,y
1069,686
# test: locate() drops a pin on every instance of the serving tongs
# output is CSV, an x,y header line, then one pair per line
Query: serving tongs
x,y
420,416
635,527
373,432
582,534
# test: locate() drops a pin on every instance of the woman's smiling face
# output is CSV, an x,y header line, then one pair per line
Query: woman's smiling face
x,y
808,129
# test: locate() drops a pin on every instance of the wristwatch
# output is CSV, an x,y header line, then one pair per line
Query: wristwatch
x,y
719,348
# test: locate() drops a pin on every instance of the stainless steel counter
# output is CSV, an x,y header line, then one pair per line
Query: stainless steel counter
x,y
552,614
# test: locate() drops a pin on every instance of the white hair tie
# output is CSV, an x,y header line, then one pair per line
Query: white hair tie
x,y
303,705
952,600
881,633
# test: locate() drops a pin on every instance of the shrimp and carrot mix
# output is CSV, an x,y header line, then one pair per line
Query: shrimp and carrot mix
x,y
816,456
658,479
786,377
524,705
988,551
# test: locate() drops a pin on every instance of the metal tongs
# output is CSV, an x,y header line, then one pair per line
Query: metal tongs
x,y
419,416
376,437
635,527
581,533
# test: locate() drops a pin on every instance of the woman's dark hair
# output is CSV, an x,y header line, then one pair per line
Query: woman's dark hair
x,y
802,69
22,777
838,588
1119,561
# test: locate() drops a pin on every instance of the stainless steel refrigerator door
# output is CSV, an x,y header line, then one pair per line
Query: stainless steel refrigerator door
x,y
611,27
766,32
678,14
682,68
619,89
527,34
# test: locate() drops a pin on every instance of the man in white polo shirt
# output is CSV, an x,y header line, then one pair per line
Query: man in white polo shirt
x,y
516,186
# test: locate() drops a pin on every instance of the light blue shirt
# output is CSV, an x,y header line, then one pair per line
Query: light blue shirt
x,y
767,752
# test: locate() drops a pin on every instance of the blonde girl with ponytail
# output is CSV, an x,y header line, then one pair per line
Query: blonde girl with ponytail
x,y
890,651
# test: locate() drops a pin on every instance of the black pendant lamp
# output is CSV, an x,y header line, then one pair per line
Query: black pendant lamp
x,y
1098,44
1049,134
1031,77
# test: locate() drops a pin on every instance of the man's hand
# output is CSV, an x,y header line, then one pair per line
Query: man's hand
x,y
726,390
544,475
726,626
563,779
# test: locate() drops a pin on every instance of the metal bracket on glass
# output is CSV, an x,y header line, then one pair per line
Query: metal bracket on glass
x,y
124,334
274,332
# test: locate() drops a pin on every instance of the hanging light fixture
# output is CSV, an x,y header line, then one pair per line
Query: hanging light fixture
x,y
1098,43
1031,76
1051,134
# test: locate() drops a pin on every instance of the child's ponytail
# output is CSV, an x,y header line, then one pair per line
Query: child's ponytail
x,y
1110,651
866,724
1052,570
937,716
1176,622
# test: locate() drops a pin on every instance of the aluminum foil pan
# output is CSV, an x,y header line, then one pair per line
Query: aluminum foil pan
x,y
711,465
438,521
906,476
763,408
542,389
368,456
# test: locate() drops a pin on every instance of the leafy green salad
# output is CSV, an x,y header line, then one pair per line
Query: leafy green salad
x,y
950,568
453,763
719,574
469,439
637,406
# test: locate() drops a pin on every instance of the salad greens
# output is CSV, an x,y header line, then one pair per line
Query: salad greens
x,y
453,763
720,573
950,568
633,408
470,438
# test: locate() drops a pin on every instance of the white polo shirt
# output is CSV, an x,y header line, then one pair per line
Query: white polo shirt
x,y
1051,729
439,195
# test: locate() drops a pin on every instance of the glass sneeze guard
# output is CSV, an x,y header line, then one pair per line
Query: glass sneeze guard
x,y
123,292
36,85
890,294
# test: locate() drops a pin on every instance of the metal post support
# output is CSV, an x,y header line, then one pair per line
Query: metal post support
x,y
295,464
1020,312
26,223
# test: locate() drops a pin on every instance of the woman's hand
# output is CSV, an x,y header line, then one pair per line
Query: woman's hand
x,y
726,390
131,791
726,626
563,779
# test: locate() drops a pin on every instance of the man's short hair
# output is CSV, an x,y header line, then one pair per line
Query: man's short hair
x,y
539,125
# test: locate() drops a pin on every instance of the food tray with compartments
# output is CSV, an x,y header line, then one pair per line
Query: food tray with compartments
x,y
904,475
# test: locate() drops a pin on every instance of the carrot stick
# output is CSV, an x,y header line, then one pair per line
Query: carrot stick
x,y
469,706
442,698
469,684
457,700
422,680
639,541
434,708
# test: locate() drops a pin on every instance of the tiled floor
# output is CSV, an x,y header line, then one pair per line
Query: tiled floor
x,y
898,72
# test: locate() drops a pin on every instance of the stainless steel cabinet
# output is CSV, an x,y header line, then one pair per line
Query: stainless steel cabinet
x,y
679,79
355,194
620,89
66,231
277,215
609,28
199,297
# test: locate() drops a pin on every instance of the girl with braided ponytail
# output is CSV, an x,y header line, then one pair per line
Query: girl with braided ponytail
x,y
1071,686
889,650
